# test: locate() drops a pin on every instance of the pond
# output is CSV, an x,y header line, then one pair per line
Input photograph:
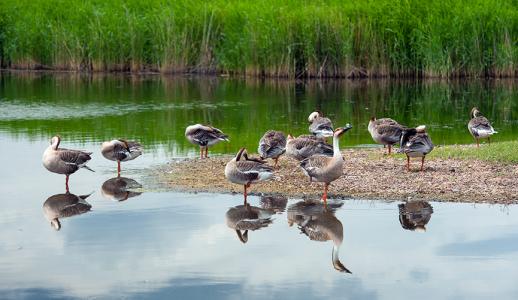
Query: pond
x,y
151,244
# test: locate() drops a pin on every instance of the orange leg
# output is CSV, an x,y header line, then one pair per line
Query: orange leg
x,y
206,151
422,164
408,163
246,186
118,168
201,152
324,197
66,183
390,149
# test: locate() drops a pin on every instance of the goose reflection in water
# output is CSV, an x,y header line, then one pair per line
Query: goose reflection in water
x,y
120,188
319,223
414,215
275,203
244,218
64,206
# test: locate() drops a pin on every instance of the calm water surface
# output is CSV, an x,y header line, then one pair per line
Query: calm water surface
x,y
164,244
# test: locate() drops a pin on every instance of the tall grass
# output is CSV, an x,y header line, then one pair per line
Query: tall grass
x,y
278,38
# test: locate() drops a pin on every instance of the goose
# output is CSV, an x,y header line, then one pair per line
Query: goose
x,y
385,131
319,223
64,161
243,218
414,215
320,126
244,170
415,142
479,127
120,150
303,147
64,206
204,136
272,145
120,188
323,168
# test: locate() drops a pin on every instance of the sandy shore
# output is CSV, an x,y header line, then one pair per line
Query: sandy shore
x,y
367,174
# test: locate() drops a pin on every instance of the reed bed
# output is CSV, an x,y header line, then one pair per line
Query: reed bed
x,y
271,38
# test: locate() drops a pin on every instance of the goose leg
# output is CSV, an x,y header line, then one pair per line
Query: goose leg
x,y
422,164
276,159
246,186
408,163
118,168
206,151
390,149
66,183
477,143
324,197
201,151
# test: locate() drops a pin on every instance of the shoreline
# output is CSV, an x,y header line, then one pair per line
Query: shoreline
x,y
368,174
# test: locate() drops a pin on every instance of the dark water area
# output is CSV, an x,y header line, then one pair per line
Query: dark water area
x,y
142,243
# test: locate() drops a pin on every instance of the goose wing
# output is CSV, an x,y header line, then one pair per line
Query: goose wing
x,y
74,159
251,170
315,165
204,134
480,123
390,132
309,147
420,143
272,144
321,125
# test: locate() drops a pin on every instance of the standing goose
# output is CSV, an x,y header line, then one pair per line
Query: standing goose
x,y
320,126
272,145
121,150
324,168
63,206
245,171
64,161
415,142
479,126
204,136
243,218
385,131
303,147
319,223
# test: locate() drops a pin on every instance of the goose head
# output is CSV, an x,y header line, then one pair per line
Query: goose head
x,y
341,130
314,115
475,112
243,237
124,143
54,141
55,224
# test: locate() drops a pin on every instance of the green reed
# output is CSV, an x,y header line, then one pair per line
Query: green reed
x,y
286,38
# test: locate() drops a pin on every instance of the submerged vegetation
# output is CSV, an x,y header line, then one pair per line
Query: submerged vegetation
x,y
288,38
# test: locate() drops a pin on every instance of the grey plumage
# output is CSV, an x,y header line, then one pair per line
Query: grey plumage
x,y
272,144
120,188
385,131
204,135
121,150
415,215
64,206
301,148
320,126
479,126
415,142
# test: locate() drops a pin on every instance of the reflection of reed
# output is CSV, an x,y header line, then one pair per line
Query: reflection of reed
x,y
243,218
319,223
119,188
414,215
64,206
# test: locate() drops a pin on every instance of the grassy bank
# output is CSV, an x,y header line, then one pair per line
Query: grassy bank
x,y
501,152
285,38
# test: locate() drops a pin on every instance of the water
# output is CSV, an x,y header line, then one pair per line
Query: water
x,y
166,244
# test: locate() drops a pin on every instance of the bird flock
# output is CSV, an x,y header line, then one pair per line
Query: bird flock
x,y
319,161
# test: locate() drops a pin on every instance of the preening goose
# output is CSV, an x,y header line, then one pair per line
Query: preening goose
x,y
275,203
64,206
204,136
479,127
120,188
385,131
323,168
303,147
244,170
272,145
121,150
320,126
64,161
319,223
415,142
414,215
243,218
